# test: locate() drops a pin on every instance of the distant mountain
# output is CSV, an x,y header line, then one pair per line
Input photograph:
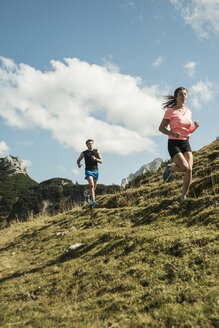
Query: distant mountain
x,y
152,166
13,164
14,180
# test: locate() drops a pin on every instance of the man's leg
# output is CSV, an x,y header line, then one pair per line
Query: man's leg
x,y
92,184
95,186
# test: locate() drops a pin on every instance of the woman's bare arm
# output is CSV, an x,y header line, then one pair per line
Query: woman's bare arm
x,y
164,130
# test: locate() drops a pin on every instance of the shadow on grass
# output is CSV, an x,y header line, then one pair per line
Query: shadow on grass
x,y
108,249
191,212
67,256
61,259
152,212
24,237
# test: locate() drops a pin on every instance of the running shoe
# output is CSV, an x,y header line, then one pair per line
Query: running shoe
x,y
87,197
94,204
167,173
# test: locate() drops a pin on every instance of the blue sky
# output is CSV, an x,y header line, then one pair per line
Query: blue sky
x,y
72,70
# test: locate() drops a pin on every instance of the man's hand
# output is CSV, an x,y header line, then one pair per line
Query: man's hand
x,y
93,158
196,123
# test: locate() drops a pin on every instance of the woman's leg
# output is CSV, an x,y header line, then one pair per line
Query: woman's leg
x,y
183,163
188,174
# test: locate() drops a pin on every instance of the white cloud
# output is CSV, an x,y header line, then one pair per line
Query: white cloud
x,y
27,162
75,171
25,143
141,17
126,4
158,17
157,62
190,66
156,42
4,149
76,101
201,92
61,168
111,67
202,15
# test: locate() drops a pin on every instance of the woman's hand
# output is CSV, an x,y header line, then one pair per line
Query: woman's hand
x,y
175,134
93,158
193,128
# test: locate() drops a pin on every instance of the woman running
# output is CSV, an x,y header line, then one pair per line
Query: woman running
x,y
179,118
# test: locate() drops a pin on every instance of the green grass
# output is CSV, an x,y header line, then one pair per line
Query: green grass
x,y
143,260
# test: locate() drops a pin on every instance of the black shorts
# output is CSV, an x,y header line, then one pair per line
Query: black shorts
x,y
178,146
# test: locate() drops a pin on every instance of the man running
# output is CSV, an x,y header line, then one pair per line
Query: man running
x,y
91,157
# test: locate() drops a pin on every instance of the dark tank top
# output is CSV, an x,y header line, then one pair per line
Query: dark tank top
x,y
90,164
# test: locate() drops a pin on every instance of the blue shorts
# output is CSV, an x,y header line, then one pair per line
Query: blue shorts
x,y
94,174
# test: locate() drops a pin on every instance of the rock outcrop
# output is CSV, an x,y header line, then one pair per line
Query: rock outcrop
x,y
14,164
152,166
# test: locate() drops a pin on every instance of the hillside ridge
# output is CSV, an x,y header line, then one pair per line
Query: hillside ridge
x,y
143,260
21,196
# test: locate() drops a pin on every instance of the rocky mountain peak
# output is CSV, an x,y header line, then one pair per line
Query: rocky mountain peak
x,y
152,166
13,163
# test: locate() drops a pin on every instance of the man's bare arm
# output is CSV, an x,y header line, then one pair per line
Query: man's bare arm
x,y
98,158
79,160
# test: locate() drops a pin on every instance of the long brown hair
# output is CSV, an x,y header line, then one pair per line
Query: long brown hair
x,y
171,100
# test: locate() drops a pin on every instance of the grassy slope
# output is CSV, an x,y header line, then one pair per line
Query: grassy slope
x,y
143,262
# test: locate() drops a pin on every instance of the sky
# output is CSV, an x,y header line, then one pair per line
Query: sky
x,y
71,70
